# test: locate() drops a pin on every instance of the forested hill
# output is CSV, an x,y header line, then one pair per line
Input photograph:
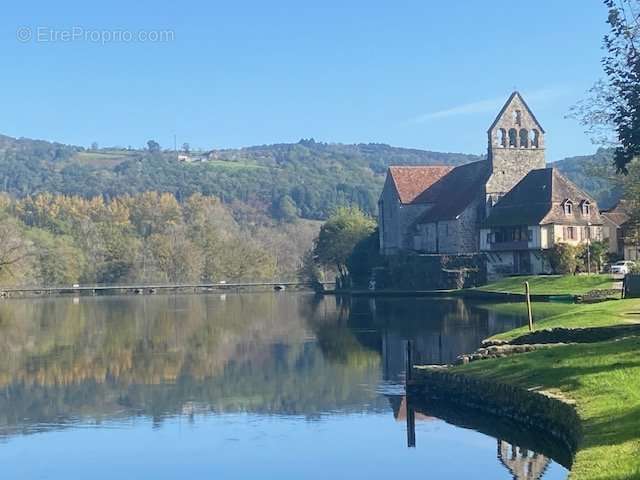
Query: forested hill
x,y
283,181
595,174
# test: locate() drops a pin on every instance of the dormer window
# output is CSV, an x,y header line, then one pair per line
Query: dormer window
x,y
568,207
586,207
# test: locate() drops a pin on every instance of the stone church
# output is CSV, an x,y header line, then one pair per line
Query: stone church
x,y
509,207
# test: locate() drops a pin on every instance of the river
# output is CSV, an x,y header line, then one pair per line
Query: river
x,y
238,386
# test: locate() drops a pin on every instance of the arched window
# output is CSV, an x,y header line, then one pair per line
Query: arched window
x,y
535,138
568,207
524,138
513,137
586,207
501,136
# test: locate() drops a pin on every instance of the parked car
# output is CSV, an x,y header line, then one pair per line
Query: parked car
x,y
622,267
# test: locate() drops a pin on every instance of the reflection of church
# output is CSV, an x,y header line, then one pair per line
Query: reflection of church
x,y
523,464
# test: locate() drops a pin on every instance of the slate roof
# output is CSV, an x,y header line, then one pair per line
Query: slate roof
x,y
454,192
539,198
411,181
618,214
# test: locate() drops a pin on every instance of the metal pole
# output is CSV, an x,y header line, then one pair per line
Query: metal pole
x,y
589,249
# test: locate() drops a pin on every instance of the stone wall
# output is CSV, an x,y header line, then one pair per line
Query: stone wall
x,y
528,408
431,272
509,166
394,220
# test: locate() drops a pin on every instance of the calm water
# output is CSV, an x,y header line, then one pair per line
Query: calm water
x,y
236,387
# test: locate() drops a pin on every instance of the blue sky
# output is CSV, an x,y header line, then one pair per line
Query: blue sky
x,y
424,74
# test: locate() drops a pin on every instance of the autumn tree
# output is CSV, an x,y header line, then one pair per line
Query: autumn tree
x,y
339,235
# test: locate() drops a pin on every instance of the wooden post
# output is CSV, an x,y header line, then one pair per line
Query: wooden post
x,y
528,295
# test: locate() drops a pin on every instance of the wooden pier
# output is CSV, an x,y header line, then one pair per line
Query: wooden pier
x,y
152,288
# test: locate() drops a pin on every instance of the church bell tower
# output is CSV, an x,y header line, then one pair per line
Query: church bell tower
x,y
516,146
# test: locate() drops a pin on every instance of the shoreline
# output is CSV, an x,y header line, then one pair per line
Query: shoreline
x,y
583,393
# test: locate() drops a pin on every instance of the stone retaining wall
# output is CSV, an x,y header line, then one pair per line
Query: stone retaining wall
x,y
528,408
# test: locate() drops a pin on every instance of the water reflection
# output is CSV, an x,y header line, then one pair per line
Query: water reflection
x,y
67,363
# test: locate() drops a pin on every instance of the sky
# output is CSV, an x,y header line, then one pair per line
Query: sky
x,y
423,74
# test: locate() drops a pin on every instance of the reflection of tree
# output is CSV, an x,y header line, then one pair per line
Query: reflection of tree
x,y
157,356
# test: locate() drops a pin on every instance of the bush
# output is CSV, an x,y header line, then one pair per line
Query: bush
x,y
563,258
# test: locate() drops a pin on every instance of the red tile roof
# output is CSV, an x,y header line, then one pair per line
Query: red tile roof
x,y
411,182
454,192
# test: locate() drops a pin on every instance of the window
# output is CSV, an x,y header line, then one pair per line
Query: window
x,y
570,233
513,137
489,238
586,207
568,207
587,232
530,235
524,138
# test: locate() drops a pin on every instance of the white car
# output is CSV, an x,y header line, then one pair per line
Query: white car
x,y
622,267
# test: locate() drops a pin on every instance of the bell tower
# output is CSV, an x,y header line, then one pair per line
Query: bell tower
x,y
516,146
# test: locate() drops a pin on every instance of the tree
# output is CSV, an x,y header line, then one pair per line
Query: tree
x,y
94,146
339,235
15,249
286,209
595,251
563,258
612,105
364,258
153,146
186,148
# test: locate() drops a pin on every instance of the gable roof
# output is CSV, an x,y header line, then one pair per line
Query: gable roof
x,y
618,215
411,181
506,105
538,199
454,192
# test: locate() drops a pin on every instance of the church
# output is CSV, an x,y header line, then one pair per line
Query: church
x,y
510,207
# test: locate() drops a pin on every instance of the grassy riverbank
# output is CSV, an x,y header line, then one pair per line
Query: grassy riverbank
x,y
551,284
553,315
603,379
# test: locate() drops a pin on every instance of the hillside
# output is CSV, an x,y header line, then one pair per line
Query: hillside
x,y
595,174
283,181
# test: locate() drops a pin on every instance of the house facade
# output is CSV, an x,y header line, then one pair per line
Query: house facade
x,y
543,209
445,210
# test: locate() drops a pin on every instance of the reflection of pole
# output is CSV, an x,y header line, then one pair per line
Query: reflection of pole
x,y
409,366
411,424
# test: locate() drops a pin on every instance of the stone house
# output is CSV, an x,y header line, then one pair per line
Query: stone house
x,y
543,209
614,230
622,233
444,211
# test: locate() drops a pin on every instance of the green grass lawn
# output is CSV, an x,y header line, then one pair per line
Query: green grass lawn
x,y
552,315
551,284
604,381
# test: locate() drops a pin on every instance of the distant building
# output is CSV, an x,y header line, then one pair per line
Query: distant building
x,y
450,210
622,234
615,224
